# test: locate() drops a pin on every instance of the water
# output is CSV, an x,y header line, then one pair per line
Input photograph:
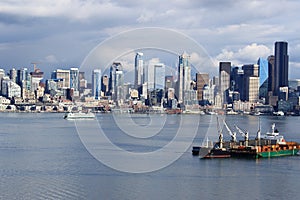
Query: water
x,y
42,157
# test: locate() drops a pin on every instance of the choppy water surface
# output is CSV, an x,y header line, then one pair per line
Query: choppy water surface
x,y
42,157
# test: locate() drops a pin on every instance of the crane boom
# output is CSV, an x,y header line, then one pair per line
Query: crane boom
x,y
240,131
232,134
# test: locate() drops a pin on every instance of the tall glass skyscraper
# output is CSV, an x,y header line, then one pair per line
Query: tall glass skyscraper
x,y
224,79
184,76
74,78
281,65
116,81
138,70
159,76
263,77
263,70
96,83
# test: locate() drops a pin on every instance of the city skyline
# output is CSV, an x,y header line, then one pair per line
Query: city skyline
x,y
63,38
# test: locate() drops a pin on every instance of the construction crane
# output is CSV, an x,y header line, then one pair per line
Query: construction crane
x,y
232,134
34,65
245,134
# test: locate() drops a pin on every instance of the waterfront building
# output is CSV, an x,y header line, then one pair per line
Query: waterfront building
x,y
138,70
202,80
10,89
224,80
96,83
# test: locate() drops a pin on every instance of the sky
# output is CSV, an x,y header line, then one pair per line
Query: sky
x,y
60,34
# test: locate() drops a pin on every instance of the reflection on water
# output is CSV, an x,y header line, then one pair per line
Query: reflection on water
x,y
42,157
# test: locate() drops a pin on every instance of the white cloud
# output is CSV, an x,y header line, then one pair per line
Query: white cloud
x,y
245,55
224,33
51,59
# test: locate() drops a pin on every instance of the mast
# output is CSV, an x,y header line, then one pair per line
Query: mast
x,y
258,135
220,134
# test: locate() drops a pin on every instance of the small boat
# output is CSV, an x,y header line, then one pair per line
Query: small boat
x,y
80,115
279,113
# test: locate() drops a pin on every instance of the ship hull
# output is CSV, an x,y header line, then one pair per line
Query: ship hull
x,y
270,154
217,153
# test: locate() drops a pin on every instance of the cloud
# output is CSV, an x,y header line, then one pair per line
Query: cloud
x,y
51,59
70,28
245,55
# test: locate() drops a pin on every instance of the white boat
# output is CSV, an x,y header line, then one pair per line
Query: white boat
x,y
279,113
80,115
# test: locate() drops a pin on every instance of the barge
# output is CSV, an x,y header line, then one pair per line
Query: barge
x,y
269,145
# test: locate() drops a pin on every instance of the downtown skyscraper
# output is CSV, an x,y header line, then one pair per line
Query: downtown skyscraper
x,y
138,70
224,80
184,77
281,65
96,83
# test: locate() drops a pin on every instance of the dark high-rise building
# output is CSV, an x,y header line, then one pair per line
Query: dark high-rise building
x,y
237,81
281,65
251,83
271,74
224,79
251,70
105,84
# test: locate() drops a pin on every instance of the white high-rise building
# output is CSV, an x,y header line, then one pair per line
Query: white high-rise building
x,y
116,81
96,83
184,77
74,78
64,75
138,70
10,89
252,89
